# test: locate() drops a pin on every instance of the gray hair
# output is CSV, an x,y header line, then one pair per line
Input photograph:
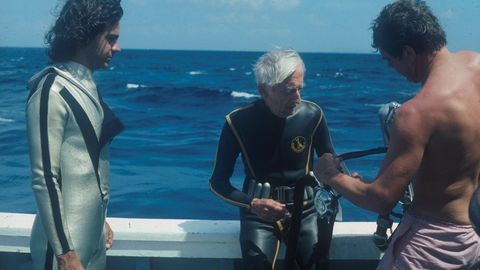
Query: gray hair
x,y
275,66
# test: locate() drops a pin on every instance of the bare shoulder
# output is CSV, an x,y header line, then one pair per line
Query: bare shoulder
x,y
415,111
409,111
469,56
412,121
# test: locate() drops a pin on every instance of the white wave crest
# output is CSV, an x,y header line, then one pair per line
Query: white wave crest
x,y
18,59
6,120
374,105
135,86
237,94
196,72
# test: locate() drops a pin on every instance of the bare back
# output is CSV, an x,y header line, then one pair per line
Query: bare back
x,y
449,103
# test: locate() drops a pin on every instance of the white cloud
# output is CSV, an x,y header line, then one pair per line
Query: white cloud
x,y
251,4
315,20
448,14
234,18
285,4
137,2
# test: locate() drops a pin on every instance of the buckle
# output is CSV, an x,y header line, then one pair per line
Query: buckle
x,y
283,194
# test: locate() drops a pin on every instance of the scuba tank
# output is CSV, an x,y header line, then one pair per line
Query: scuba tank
x,y
474,210
386,115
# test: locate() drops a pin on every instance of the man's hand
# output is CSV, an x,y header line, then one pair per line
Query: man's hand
x,y
108,236
327,167
69,261
268,209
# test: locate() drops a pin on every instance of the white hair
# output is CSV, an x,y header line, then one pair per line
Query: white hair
x,y
275,66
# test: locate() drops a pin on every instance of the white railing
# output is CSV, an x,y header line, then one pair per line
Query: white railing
x,y
175,238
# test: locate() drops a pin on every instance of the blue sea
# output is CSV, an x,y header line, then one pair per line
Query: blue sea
x,y
173,105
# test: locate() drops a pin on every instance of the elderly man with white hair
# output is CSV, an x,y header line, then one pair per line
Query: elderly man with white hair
x,y
277,137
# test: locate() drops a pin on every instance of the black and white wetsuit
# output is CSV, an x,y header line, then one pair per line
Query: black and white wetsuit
x,y
71,195
278,151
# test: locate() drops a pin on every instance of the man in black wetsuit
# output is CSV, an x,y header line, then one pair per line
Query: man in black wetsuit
x,y
277,136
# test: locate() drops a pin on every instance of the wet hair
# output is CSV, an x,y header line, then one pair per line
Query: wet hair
x,y
275,66
78,23
407,23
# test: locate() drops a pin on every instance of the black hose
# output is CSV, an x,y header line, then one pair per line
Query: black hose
x,y
296,221
358,154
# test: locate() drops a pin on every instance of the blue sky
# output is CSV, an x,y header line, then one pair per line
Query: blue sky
x,y
243,25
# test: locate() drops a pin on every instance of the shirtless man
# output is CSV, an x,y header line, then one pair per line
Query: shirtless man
x,y
435,142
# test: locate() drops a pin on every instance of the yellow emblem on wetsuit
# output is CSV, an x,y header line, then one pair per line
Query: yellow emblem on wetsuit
x,y
298,144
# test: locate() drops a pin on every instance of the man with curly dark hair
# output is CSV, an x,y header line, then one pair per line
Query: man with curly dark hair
x,y
434,143
69,129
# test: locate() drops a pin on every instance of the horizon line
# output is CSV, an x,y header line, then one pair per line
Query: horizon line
x,y
203,50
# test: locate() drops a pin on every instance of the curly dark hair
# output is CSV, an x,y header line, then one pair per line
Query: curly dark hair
x,y
407,23
78,23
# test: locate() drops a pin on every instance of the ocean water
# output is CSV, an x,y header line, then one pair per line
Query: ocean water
x,y
173,105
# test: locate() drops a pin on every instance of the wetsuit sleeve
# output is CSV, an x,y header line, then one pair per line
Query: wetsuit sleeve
x,y
321,139
323,142
46,114
227,153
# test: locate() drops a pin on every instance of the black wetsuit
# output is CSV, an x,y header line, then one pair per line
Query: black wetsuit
x,y
278,151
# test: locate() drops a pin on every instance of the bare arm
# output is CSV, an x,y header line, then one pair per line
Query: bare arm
x,y
409,137
108,236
